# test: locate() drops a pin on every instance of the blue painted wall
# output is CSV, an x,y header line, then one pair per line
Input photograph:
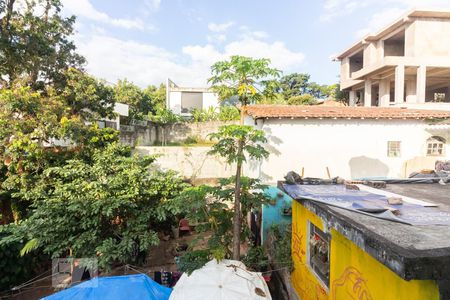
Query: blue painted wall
x,y
273,214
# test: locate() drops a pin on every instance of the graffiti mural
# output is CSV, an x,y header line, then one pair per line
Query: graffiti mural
x,y
305,282
351,285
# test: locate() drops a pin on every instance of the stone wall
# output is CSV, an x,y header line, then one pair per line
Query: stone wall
x,y
193,163
153,134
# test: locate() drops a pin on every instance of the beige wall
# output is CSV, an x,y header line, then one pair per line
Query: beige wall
x,y
431,38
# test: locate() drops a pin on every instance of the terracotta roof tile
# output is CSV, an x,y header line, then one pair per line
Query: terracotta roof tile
x,y
320,111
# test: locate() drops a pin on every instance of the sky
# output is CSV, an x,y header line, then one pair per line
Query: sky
x,y
148,41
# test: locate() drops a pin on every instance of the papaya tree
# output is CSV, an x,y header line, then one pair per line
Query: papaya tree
x,y
250,80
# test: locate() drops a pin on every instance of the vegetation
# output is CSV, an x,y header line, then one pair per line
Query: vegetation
x,y
242,77
224,113
209,207
105,208
281,246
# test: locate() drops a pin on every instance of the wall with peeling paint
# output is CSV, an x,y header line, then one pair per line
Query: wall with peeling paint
x,y
354,274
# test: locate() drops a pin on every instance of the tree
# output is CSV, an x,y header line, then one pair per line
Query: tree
x,y
107,208
236,143
305,99
35,124
294,84
157,96
243,77
35,43
131,94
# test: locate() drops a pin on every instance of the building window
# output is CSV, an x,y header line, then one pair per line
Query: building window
x,y
191,101
319,253
435,146
393,149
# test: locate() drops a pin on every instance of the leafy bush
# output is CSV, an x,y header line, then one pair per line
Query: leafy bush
x,y
108,208
14,268
305,99
256,259
228,113
281,245
223,113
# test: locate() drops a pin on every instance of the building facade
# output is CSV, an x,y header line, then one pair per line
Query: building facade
x,y
405,64
349,142
183,100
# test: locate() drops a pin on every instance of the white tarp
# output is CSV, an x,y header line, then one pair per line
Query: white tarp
x,y
226,280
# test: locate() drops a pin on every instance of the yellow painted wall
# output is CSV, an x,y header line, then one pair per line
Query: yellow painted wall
x,y
354,274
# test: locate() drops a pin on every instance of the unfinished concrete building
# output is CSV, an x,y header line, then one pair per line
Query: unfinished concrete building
x,y
405,64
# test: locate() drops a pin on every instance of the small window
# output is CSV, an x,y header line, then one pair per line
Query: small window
x,y
393,149
435,146
319,253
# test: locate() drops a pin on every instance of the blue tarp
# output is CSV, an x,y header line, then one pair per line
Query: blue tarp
x,y
368,203
127,287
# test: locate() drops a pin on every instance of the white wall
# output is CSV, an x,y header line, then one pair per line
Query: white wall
x,y
210,100
175,102
349,148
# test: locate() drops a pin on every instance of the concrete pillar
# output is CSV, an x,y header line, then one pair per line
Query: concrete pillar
x,y
384,92
411,90
421,84
368,93
352,98
400,84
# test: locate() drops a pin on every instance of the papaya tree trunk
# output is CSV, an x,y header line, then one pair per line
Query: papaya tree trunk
x,y
237,207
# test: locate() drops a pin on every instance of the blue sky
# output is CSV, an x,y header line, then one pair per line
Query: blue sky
x,y
147,41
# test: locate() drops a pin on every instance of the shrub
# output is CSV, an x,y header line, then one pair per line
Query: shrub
x,y
305,99
228,113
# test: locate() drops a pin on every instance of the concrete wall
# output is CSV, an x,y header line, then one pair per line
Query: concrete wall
x,y
354,274
272,214
431,38
349,148
192,162
174,133
209,100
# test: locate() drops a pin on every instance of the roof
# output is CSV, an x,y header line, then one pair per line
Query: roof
x,y
412,252
344,112
406,18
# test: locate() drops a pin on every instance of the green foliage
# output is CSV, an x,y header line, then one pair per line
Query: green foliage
x,y
85,96
256,258
36,43
230,136
15,269
228,113
224,113
107,208
305,99
282,235
138,101
193,260
294,84
157,96
165,116
243,77
208,206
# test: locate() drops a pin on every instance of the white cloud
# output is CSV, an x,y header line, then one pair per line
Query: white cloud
x,y
337,8
111,58
379,20
84,8
222,27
